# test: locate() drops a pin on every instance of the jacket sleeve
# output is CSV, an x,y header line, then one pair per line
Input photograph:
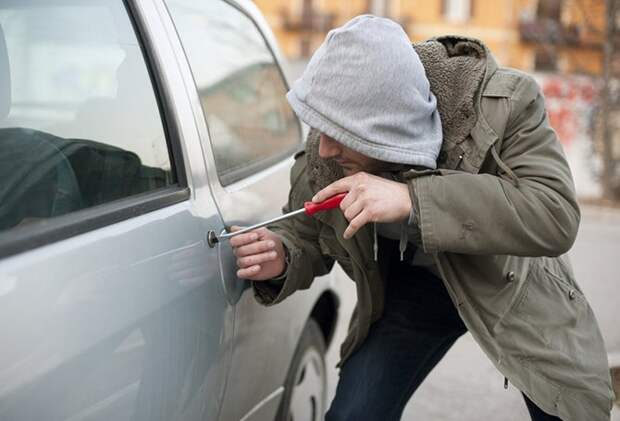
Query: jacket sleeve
x,y
528,209
300,237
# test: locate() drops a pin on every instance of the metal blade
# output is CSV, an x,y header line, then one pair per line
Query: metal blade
x,y
262,224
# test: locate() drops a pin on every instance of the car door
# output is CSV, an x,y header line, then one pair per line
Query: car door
x,y
112,305
252,130
249,134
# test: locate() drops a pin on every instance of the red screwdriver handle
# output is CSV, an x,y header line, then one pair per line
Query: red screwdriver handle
x,y
331,203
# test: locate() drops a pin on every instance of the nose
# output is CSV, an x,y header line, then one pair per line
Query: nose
x,y
328,147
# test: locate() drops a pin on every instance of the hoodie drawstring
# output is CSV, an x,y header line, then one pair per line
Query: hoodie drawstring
x,y
402,243
404,239
375,245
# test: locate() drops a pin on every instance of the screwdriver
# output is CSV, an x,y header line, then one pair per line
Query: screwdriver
x,y
310,208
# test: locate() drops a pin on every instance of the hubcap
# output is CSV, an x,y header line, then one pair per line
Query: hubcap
x,y
308,397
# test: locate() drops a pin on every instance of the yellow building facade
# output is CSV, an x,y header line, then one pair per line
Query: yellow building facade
x,y
544,35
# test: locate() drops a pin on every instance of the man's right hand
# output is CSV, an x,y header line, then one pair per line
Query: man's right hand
x,y
260,254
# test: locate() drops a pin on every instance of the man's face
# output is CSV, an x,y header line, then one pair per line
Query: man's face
x,y
351,161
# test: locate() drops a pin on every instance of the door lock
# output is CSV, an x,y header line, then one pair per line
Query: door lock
x,y
212,239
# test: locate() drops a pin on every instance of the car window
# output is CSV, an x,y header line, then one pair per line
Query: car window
x,y
79,121
241,88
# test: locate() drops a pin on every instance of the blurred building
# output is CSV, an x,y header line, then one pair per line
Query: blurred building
x,y
561,42
545,35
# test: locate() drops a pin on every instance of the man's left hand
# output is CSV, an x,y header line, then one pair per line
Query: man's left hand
x,y
369,199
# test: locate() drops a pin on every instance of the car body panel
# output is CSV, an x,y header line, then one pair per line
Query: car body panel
x,y
114,322
251,200
141,319
129,321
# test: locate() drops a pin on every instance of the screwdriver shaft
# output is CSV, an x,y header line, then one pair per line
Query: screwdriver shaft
x,y
262,224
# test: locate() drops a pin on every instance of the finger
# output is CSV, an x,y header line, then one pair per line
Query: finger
x,y
248,273
353,210
358,222
261,232
340,186
255,259
243,239
348,200
254,248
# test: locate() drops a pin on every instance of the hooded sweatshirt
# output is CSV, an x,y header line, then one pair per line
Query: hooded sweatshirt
x,y
365,87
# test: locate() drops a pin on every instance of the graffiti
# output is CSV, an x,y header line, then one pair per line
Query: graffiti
x,y
570,101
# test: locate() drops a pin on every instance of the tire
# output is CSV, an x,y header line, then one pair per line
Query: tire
x,y
305,386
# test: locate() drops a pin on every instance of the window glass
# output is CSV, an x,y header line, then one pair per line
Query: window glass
x,y
79,121
242,93
457,11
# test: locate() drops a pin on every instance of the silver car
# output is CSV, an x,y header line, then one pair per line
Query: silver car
x,y
130,131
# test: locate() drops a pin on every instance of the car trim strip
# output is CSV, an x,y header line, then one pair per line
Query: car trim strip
x,y
40,233
161,94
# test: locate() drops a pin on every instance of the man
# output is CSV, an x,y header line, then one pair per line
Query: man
x,y
459,204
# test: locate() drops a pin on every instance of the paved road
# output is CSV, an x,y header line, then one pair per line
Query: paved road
x,y
465,386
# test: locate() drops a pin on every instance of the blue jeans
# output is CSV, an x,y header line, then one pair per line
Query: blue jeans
x,y
418,327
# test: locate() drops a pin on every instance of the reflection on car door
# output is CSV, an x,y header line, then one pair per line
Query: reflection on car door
x,y
252,135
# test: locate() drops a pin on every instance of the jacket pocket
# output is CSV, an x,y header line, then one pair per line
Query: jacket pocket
x,y
552,306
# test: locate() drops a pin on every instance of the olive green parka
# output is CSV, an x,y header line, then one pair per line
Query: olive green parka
x,y
497,215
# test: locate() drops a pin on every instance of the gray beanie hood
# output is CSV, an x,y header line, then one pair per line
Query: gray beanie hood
x,y
366,87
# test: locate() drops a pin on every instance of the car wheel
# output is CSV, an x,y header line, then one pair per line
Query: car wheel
x,y
306,382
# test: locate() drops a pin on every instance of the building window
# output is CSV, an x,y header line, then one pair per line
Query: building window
x,y
546,60
549,9
457,11
379,7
